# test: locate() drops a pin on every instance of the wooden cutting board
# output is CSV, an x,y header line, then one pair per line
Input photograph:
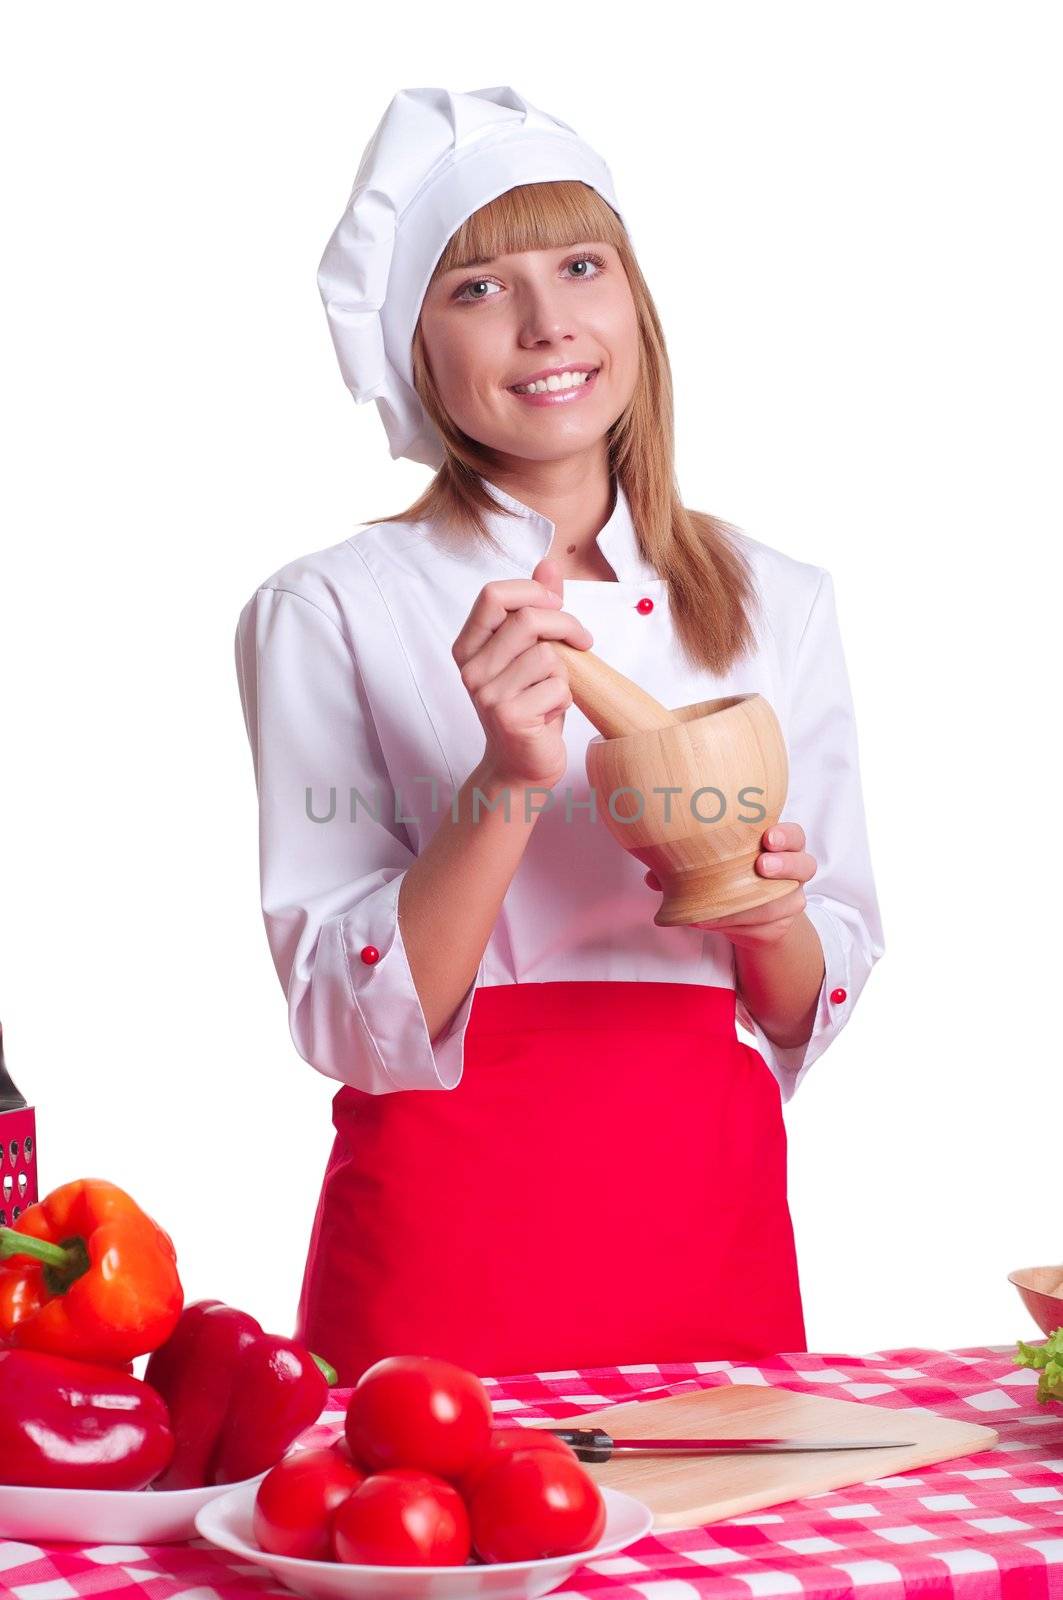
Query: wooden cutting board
x,y
688,1493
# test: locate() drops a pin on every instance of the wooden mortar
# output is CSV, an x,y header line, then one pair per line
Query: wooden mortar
x,y
727,760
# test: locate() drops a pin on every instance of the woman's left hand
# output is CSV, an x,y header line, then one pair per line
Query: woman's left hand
x,y
783,856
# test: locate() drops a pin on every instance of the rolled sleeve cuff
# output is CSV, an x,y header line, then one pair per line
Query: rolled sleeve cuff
x,y
387,1003
789,1064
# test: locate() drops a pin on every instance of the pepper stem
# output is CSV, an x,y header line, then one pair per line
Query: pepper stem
x,y
331,1375
13,1243
63,1263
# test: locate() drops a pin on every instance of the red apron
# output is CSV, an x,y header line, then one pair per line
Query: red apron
x,y
606,1185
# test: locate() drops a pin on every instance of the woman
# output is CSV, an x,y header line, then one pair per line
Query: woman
x,y
551,1148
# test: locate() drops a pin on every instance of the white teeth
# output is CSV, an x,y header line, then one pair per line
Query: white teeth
x,y
567,380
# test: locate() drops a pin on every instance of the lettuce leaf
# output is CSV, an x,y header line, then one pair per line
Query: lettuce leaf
x,y
1048,1357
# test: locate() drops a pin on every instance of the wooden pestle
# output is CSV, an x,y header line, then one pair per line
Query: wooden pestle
x,y
612,702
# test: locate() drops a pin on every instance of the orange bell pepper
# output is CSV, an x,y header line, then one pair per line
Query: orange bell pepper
x,y
85,1273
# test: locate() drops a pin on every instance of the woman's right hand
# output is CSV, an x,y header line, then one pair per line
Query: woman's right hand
x,y
514,676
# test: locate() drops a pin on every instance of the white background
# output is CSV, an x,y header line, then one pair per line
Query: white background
x,y
845,214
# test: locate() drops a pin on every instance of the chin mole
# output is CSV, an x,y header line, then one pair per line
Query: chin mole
x,y
572,549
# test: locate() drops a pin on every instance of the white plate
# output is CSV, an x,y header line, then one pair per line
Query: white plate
x,y
107,1516
227,1523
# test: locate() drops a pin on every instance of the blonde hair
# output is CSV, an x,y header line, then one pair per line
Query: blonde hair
x,y
711,588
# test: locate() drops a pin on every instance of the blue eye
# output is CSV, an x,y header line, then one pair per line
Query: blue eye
x,y
475,284
597,260
462,296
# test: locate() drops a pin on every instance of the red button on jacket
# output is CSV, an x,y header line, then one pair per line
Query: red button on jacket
x,y
370,954
838,995
645,606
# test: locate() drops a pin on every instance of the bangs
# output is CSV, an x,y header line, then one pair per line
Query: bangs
x,y
532,216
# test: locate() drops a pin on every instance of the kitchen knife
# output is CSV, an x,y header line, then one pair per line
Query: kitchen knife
x,y
594,1444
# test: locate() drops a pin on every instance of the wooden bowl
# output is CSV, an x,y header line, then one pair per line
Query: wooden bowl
x,y
727,760
1041,1290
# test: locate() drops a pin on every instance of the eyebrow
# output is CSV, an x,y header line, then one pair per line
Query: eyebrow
x,y
487,261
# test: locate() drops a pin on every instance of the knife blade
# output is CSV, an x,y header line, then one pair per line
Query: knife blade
x,y
594,1444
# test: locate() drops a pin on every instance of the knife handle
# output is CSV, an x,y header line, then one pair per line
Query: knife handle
x,y
590,1444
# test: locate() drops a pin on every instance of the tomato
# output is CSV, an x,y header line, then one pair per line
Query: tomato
x,y
402,1517
416,1411
534,1503
504,1437
296,1499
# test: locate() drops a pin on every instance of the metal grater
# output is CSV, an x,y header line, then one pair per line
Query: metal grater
x,y
18,1148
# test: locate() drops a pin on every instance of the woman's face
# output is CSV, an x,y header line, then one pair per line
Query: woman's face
x,y
491,326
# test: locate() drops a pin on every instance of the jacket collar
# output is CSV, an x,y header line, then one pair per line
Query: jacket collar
x,y
527,537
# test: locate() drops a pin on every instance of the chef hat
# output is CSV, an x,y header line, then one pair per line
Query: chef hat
x,y
435,158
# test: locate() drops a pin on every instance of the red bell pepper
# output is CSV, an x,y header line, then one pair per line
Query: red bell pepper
x,y
85,1273
68,1424
237,1396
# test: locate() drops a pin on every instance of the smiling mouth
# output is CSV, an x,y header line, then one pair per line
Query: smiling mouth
x,y
556,390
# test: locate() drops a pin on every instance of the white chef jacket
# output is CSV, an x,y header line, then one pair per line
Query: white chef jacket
x,y
354,707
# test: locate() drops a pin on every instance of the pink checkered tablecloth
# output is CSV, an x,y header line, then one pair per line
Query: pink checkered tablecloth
x,y
981,1527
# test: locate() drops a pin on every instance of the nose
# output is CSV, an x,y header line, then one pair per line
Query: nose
x,y
546,316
